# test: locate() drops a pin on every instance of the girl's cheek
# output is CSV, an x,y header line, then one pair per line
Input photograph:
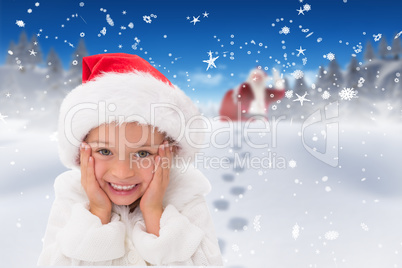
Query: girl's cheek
x,y
147,163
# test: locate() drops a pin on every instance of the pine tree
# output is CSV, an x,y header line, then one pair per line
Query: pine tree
x,y
334,76
300,86
54,63
352,75
80,52
34,46
396,47
21,50
369,52
74,73
382,48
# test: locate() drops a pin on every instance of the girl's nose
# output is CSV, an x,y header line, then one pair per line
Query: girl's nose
x,y
122,169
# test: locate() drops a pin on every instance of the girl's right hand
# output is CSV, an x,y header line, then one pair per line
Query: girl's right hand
x,y
99,203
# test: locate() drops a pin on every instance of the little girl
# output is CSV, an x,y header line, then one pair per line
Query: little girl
x,y
124,202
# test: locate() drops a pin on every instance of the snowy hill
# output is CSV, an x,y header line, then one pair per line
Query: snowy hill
x,y
299,212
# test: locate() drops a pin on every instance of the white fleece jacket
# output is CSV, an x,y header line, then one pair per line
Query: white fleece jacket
x,y
74,236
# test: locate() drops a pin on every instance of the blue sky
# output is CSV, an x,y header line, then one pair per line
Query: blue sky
x,y
178,47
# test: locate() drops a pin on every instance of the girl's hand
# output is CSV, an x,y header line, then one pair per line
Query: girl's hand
x,y
99,203
151,201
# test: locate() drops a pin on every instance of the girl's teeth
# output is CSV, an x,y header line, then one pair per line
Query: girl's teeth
x,y
122,188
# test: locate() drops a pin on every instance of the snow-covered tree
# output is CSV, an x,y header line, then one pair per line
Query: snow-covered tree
x,y
21,50
300,86
396,47
369,52
80,52
332,78
352,74
382,48
37,56
54,63
74,73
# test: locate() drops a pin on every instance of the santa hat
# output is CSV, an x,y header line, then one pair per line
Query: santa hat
x,y
121,88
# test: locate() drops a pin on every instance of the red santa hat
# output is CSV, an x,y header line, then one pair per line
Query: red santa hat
x,y
122,88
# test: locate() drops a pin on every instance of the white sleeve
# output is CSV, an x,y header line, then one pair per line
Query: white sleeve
x,y
185,238
74,236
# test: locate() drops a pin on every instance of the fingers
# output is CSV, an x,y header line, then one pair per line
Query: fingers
x,y
163,161
87,166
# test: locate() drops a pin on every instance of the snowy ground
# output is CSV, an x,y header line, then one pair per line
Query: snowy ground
x,y
307,215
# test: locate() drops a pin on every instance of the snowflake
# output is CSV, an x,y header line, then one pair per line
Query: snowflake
x,y
347,94
330,56
82,34
20,23
296,231
325,95
292,163
360,82
289,94
377,37
301,98
210,61
195,20
298,74
331,235
82,4
235,247
358,48
131,25
364,226
147,19
256,223
285,30
103,31
32,52
304,61
109,20
307,7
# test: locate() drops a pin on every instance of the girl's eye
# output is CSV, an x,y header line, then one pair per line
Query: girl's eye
x,y
104,152
142,154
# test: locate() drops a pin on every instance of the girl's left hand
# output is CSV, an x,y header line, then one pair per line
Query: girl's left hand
x,y
151,201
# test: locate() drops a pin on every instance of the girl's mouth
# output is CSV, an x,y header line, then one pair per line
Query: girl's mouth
x,y
122,190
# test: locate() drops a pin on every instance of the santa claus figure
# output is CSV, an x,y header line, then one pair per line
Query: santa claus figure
x,y
252,98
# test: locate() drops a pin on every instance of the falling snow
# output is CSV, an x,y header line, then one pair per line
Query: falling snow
x,y
298,74
285,30
295,231
348,94
325,95
289,94
20,23
109,20
331,235
330,56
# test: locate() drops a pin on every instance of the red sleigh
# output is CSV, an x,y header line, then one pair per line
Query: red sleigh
x,y
236,108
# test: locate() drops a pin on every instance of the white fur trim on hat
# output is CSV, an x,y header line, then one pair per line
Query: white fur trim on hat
x,y
127,97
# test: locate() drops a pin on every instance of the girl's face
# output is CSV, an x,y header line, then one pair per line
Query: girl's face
x,y
124,159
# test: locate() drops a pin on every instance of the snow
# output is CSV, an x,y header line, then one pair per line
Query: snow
x,y
298,212
255,210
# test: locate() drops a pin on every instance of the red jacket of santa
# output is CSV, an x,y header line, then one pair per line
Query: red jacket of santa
x,y
251,98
